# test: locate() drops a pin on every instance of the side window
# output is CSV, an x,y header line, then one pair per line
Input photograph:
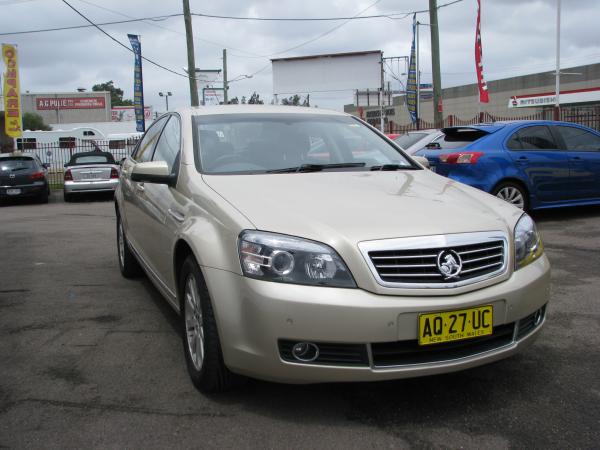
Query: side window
x,y
146,147
514,143
536,138
169,143
580,140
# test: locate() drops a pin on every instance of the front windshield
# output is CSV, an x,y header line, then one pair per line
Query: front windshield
x,y
259,143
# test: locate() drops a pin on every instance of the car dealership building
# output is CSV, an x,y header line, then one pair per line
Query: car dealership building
x,y
516,97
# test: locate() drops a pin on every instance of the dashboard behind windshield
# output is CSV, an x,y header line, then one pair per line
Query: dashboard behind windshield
x,y
261,143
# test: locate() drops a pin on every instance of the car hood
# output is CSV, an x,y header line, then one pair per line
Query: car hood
x,y
359,206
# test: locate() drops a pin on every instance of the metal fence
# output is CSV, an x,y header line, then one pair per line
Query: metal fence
x,y
587,116
57,154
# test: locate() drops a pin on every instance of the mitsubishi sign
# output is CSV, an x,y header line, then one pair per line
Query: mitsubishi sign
x,y
549,98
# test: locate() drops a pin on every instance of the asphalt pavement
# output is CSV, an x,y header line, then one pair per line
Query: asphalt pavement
x,y
91,360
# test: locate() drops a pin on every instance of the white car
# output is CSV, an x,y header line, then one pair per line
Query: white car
x,y
414,141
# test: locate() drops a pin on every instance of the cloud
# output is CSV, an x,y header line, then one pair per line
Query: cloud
x,y
518,37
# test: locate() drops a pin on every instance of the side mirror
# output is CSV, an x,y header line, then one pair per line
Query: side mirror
x,y
46,165
153,172
433,146
422,160
122,161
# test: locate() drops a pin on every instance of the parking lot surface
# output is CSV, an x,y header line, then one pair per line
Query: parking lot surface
x,y
91,360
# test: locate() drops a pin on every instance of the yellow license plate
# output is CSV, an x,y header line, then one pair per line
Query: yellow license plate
x,y
435,328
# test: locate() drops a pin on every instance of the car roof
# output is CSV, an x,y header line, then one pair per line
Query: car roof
x,y
491,127
17,155
257,109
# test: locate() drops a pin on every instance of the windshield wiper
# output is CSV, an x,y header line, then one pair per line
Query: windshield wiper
x,y
391,167
315,167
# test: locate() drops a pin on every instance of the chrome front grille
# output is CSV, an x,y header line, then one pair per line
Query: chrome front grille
x,y
415,262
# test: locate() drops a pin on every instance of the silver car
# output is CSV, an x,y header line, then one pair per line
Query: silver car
x,y
301,246
413,141
90,172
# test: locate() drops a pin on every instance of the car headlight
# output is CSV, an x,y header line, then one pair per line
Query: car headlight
x,y
528,244
287,259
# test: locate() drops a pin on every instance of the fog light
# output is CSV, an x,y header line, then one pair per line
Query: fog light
x,y
305,351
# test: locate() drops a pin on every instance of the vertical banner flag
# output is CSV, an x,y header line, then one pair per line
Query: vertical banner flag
x,y
13,125
138,84
483,90
411,82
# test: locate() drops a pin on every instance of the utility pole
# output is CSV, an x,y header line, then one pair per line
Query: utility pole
x,y
435,64
557,93
225,85
381,108
189,35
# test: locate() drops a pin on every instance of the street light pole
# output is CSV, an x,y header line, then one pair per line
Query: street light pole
x,y
225,85
557,89
166,96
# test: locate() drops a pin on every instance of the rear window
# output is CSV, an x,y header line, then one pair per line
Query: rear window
x,y
459,137
406,140
15,164
92,159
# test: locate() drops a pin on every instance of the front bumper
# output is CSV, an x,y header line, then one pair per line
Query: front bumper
x,y
254,316
91,186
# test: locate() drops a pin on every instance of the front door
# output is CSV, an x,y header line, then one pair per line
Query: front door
x,y
162,208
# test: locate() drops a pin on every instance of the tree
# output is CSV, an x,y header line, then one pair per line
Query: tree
x,y
234,101
255,99
34,122
243,99
116,94
291,101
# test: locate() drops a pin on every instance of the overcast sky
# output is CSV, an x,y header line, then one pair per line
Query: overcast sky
x,y
518,37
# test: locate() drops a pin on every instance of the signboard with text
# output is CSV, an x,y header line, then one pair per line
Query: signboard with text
x,y
127,113
51,103
13,125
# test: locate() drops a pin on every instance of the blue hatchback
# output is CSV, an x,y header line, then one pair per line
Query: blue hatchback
x,y
531,164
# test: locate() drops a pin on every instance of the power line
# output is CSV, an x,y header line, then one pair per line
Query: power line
x,y
169,16
320,19
75,27
121,44
149,22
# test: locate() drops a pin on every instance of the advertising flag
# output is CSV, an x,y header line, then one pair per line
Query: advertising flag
x,y
138,84
13,124
411,83
483,90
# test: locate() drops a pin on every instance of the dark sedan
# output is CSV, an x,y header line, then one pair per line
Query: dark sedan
x,y
23,176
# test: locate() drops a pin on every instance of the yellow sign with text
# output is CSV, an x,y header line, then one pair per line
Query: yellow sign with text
x,y
13,125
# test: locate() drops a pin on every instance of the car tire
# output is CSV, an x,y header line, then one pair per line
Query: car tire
x,y
67,197
128,263
201,343
513,193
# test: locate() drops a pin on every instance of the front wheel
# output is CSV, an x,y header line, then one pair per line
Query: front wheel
x,y
201,343
128,264
513,193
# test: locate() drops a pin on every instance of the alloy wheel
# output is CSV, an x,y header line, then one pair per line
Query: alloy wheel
x,y
121,244
194,326
512,195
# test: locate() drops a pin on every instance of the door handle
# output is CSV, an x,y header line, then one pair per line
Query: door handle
x,y
176,215
140,187
576,158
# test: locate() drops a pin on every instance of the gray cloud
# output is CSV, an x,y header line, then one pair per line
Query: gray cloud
x,y
518,37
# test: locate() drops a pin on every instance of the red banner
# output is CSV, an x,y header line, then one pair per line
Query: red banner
x,y
483,89
44,103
